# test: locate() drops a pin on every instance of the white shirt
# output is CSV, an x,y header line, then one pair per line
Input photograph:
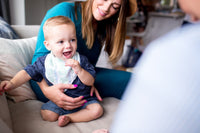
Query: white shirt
x,y
163,95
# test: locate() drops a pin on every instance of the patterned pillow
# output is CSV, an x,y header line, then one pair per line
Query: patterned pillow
x,y
6,31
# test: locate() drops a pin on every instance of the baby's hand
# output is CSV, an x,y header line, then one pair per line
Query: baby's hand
x,y
5,86
74,65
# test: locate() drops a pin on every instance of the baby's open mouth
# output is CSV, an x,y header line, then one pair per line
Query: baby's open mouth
x,y
67,54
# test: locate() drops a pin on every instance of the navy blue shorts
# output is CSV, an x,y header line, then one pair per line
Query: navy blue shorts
x,y
53,107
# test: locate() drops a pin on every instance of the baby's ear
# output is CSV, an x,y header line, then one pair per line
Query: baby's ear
x,y
47,45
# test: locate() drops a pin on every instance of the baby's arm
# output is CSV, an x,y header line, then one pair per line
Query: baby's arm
x,y
20,78
85,77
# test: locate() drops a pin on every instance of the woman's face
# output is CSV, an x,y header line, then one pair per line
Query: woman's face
x,y
191,7
103,9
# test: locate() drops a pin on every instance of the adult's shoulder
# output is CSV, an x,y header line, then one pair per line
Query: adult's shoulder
x,y
63,5
63,8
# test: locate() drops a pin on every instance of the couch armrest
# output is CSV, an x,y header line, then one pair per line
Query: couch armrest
x,y
26,31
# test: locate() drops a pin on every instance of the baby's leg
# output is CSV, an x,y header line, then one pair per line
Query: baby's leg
x,y
48,115
91,112
51,116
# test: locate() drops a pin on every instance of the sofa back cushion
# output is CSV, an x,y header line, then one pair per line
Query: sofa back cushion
x,y
14,56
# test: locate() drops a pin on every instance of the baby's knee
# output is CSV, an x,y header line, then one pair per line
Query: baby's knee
x,y
48,115
96,110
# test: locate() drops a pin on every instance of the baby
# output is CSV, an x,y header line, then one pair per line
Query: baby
x,y
62,65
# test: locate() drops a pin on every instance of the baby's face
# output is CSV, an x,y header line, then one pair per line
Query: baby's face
x,y
62,41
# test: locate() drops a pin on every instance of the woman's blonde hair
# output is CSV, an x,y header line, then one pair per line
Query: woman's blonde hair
x,y
112,31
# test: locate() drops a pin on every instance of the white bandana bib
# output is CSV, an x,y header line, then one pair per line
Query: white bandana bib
x,y
56,71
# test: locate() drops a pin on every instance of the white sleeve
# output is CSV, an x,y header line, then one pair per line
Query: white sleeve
x,y
163,95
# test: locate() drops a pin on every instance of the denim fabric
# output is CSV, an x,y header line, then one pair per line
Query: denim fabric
x,y
53,107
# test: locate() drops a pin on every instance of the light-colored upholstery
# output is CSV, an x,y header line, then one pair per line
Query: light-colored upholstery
x,y
26,31
5,118
14,56
27,119
4,128
24,116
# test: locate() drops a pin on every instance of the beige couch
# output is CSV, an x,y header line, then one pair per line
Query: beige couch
x,y
20,111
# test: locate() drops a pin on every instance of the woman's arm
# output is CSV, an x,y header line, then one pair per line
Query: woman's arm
x,y
56,95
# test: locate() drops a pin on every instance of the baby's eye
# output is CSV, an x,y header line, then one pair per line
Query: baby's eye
x,y
72,40
61,42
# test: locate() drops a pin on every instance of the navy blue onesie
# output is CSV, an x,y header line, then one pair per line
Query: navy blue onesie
x,y
37,73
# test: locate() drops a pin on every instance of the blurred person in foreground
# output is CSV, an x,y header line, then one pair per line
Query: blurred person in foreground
x,y
165,96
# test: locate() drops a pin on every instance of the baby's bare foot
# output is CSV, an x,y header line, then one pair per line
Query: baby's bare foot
x,y
63,120
101,131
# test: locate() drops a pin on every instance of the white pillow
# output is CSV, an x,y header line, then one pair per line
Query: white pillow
x,y
14,56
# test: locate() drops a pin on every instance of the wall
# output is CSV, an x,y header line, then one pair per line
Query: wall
x,y
30,12
17,12
36,9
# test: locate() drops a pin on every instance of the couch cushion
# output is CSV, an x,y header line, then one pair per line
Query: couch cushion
x,y
26,31
4,127
14,56
27,115
5,113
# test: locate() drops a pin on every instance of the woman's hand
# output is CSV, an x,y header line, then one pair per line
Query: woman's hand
x,y
56,94
94,90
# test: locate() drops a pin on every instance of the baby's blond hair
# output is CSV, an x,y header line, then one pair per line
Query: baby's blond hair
x,y
55,21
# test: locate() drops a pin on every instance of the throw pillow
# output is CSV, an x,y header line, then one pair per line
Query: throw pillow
x,y
14,56
6,30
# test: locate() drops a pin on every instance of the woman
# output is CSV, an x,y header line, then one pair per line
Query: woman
x,y
97,22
